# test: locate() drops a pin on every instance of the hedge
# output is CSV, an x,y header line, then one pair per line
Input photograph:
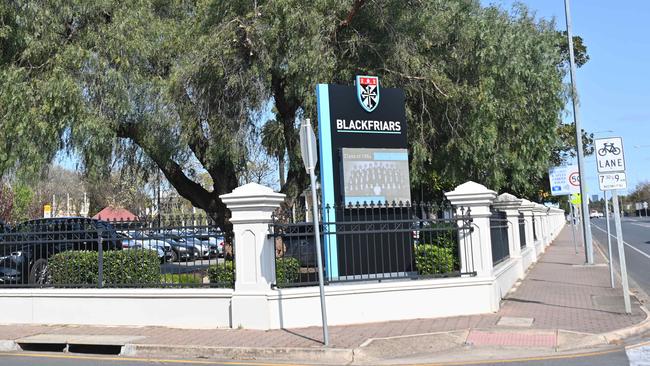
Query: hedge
x,y
437,258
287,270
121,267
222,274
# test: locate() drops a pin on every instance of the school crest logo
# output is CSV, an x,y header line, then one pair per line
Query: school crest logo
x,y
368,92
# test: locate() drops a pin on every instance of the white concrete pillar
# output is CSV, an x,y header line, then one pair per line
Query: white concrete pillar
x,y
510,205
252,206
527,208
475,246
539,212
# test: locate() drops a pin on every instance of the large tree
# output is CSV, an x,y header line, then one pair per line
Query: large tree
x,y
175,85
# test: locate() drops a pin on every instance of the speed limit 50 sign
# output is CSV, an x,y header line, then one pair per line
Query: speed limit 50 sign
x,y
564,180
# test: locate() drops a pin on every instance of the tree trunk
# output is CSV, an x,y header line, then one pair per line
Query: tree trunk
x,y
281,170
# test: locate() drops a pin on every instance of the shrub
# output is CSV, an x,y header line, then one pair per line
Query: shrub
x,y
287,270
222,274
121,267
436,258
131,267
74,268
182,278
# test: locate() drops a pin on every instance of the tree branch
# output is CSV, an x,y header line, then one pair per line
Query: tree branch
x,y
186,187
351,14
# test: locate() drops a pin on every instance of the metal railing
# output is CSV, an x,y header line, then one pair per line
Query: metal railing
x,y
170,251
522,230
372,242
499,237
534,229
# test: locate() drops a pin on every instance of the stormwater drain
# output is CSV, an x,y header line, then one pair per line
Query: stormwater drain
x,y
43,347
96,349
90,344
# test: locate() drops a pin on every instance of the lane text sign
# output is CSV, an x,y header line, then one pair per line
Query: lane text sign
x,y
609,155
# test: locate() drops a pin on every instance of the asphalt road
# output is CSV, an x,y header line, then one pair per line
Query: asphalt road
x,y
636,235
615,357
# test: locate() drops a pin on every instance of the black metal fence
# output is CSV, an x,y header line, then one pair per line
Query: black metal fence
x,y
499,237
522,231
373,242
170,251
534,228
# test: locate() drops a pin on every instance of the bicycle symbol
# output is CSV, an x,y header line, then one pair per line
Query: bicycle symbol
x,y
609,148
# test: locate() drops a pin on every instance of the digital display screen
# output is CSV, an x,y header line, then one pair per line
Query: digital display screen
x,y
377,175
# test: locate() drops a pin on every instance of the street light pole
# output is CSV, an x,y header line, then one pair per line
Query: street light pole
x,y
586,225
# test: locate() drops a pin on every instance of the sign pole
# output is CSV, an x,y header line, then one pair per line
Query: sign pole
x,y
609,241
586,225
621,251
308,140
573,227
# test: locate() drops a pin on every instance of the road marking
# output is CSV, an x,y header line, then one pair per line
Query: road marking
x,y
613,236
453,363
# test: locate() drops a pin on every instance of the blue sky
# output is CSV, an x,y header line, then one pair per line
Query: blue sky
x,y
614,85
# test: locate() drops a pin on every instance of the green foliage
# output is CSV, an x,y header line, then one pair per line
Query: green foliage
x,y
436,258
121,268
171,84
23,203
74,267
222,274
287,270
182,278
131,267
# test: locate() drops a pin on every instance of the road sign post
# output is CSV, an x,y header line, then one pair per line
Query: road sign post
x,y
621,252
586,225
609,241
573,227
310,158
610,160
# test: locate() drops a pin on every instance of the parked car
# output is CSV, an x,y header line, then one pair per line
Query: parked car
x,y
138,239
26,248
162,255
214,241
202,249
185,250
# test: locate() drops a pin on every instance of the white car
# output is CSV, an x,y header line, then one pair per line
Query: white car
x,y
595,215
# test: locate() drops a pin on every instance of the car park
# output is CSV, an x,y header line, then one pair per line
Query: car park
x,y
26,248
138,239
214,241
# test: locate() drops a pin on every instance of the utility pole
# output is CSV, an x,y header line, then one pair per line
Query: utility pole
x,y
586,225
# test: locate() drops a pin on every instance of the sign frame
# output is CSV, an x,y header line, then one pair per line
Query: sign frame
x,y
609,153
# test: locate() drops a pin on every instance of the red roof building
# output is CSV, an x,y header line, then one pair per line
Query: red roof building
x,y
115,214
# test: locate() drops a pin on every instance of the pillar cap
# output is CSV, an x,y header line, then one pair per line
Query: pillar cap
x,y
252,202
541,208
526,205
471,194
507,201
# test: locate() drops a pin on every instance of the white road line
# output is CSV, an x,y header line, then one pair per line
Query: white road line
x,y
613,236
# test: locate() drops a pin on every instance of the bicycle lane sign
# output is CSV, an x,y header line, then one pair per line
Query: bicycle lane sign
x,y
609,155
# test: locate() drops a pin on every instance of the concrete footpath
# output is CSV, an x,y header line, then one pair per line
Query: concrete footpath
x,y
561,306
